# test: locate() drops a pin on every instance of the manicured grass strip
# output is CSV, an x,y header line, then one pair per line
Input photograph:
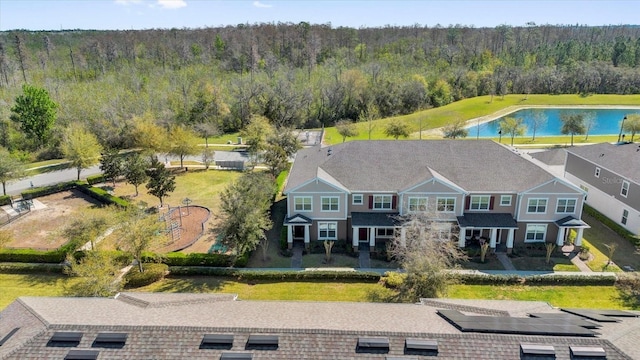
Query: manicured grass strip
x,y
594,297
16,285
305,291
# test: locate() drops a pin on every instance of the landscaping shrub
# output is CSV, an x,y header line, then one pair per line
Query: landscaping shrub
x,y
103,196
197,259
48,190
276,275
284,245
393,280
565,280
5,200
95,179
120,257
31,268
152,273
31,256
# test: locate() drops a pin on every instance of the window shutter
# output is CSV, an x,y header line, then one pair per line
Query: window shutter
x,y
370,201
394,201
492,200
467,202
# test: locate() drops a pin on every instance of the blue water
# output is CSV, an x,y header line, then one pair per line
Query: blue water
x,y
607,122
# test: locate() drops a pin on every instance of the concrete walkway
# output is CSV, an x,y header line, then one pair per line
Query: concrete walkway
x,y
505,261
296,258
364,256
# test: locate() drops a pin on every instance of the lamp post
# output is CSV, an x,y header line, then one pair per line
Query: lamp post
x,y
500,133
621,126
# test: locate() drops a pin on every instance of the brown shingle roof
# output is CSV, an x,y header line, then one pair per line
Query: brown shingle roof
x,y
173,325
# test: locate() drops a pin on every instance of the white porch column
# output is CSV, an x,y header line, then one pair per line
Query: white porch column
x,y
307,230
403,236
356,232
462,237
493,236
578,241
510,239
290,234
372,236
561,234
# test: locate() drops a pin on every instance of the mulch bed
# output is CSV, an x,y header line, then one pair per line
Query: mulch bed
x,y
191,220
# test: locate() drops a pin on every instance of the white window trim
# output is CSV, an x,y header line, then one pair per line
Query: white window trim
x,y
481,197
623,188
426,203
303,197
373,206
544,234
597,172
503,197
575,205
329,197
446,204
353,199
546,206
625,219
328,224
386,236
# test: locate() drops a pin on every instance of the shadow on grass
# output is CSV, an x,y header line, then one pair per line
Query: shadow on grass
x,y
49,169
194,284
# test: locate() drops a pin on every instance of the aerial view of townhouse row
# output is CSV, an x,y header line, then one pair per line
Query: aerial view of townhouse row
x,y
294,190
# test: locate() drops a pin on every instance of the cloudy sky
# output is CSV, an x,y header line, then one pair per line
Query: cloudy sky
x,y
149,14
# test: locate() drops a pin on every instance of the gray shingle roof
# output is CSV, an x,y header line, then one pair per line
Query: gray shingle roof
x,y
480,165
622,159
550,157
173,326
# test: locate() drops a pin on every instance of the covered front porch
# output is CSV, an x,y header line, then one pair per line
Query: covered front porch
x,y
565,225
298,228
367,227
475,227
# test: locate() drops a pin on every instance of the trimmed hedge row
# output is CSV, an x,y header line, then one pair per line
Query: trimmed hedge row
x,y
51,189
24,268
612,225
95,179
31,256
102,195
565,280
275,275
197,259
5,200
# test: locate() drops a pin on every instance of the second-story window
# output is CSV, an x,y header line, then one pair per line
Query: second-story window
x,y
446,205
302,203
330,203
417,204
567,206
537,206
382,202
480,202
505,200
624,191
357,199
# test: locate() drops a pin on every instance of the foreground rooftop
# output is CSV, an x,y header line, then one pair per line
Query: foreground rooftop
x,y
214,326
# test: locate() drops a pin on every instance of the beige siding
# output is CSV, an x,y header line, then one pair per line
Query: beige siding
x,y
316,202
552,202
497,208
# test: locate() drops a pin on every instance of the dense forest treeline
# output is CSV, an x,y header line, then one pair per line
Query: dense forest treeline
x,y
299,75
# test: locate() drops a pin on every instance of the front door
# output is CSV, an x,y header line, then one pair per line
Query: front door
x,y
298,232
363,234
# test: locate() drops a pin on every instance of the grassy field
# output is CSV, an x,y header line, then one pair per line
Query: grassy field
x,y
603,297
529,263
202,187
597,237
478,107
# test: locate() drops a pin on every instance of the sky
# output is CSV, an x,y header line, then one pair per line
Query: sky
x,y
156,14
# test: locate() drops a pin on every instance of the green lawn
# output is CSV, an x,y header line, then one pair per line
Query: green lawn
x,y
556,263
594,297
597,237
202,187
477,107
14,286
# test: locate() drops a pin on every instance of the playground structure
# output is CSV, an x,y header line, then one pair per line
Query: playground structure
x,y
183,225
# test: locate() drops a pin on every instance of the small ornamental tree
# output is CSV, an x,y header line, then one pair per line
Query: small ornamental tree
x,y
183,143
455,130
81,148
97,273
396,129
10,169
513,127
632,125
346,128
572,124
135,170
111,165
161,181
139,232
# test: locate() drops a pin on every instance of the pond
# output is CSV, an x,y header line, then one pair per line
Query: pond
x,y
605,121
